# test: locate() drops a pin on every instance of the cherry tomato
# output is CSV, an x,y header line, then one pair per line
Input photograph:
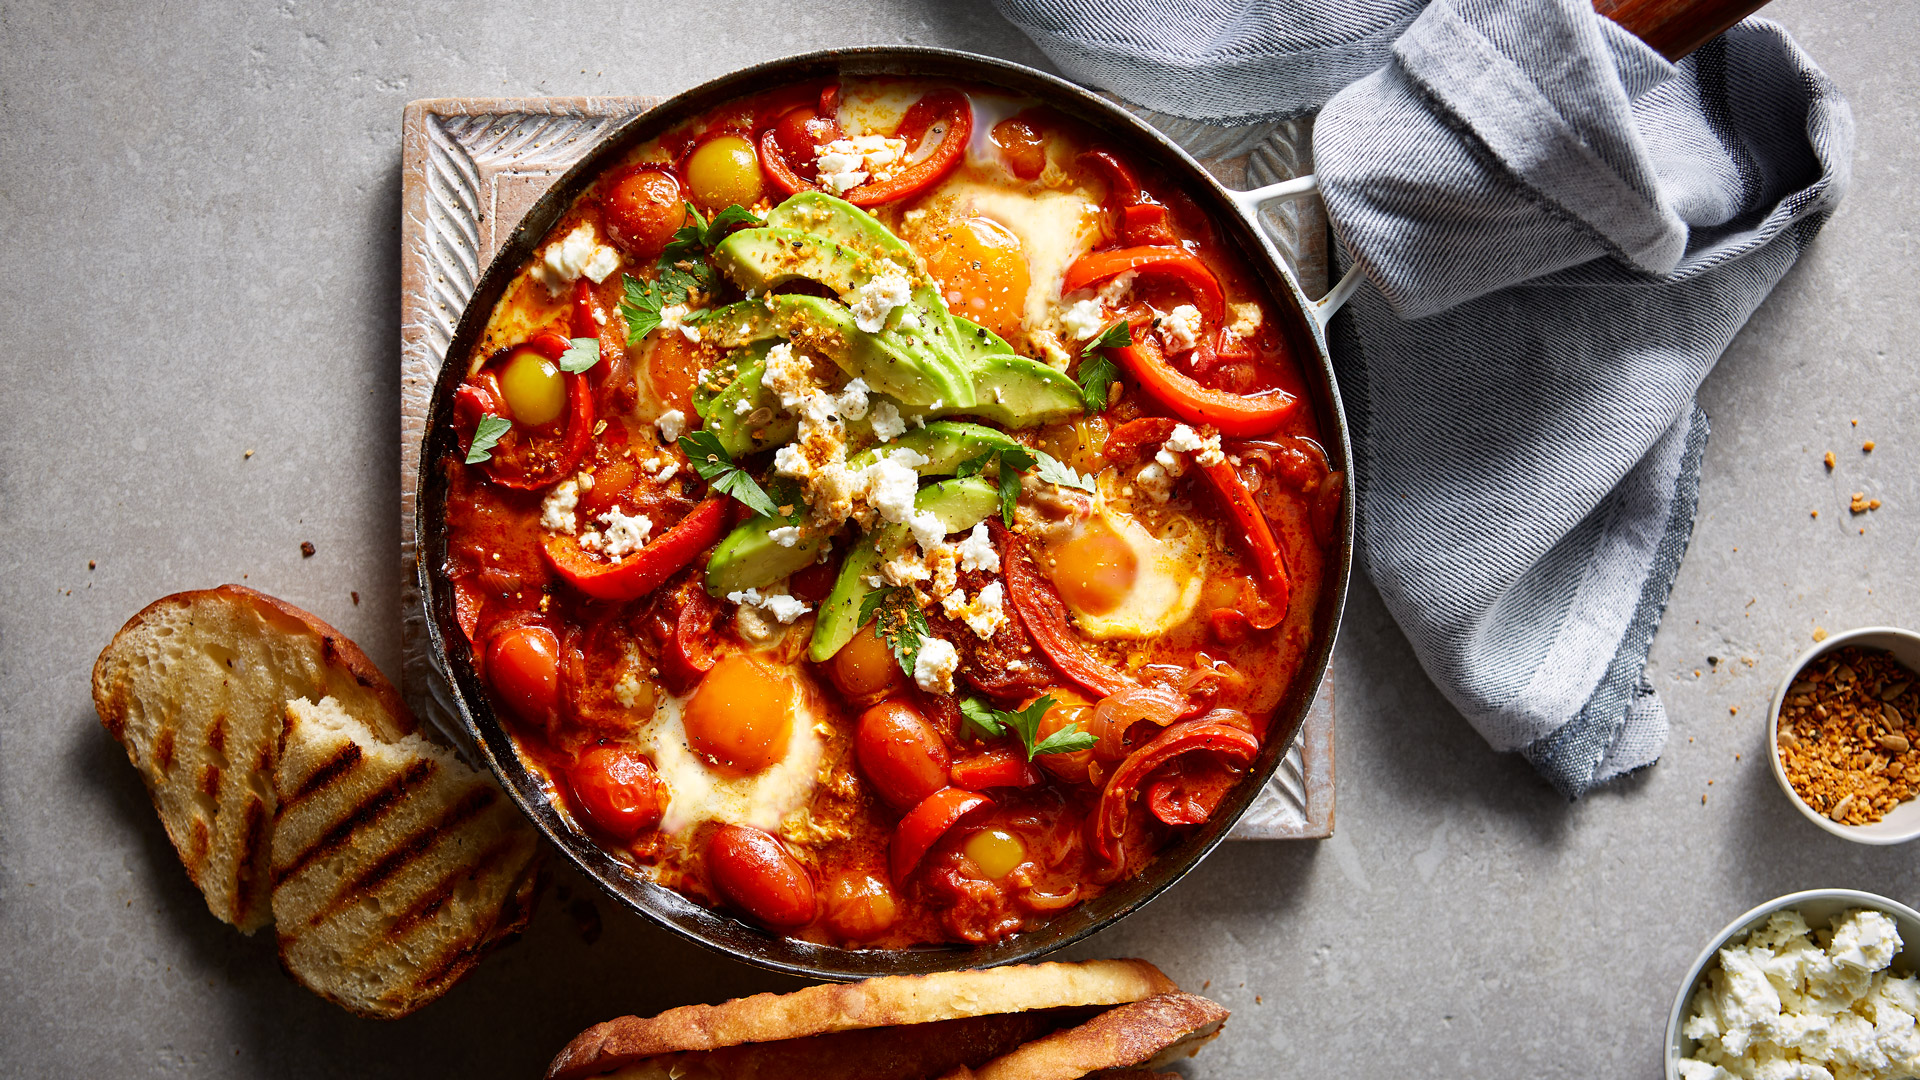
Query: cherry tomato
x,y
523,664
860,906
618,790
753,872
724,171
864,669
643,209
925,824
900,754
1021,146
1069,707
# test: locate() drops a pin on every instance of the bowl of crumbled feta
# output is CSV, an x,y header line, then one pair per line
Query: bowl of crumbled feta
x,y
1815,985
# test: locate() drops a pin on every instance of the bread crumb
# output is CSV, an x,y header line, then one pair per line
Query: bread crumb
x,y
1829,461
1867,447
1733,710
1816,513
1819,634
248,454
306,549
90,564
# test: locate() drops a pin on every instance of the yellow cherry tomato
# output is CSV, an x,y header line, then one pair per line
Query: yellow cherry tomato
x,y
724,171
995,852
535,389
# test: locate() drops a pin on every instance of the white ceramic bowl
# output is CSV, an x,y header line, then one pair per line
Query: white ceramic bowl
x,y
1903,822
1818,907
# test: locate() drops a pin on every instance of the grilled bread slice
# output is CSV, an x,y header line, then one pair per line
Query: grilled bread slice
x,y
676,1036
1144,1034
195,687
395,867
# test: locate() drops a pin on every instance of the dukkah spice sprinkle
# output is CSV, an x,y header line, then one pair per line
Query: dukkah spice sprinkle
x,y
1849,743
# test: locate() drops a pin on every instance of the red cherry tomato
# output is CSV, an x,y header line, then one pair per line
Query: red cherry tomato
x,y
618,791
925,824
643,210
523,664
900,754
1021,146
754,873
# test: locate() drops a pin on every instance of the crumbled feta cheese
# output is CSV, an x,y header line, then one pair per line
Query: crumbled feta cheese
x,y
577,253
846,163
887,425
933,668
1082,319
743,406
927,528
1779,1006
672,424
1114,293
1155,482
1180,329
985,615
629,690
852,399
906,567
666,472
1246,319
891,484
875,300
976,551
556,510
782,607
786,535
623,534
1183,439
943,566
1209,452
789,376
671,319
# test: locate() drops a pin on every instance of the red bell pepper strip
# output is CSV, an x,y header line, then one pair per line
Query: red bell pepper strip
x,y
1251,525
1241,415
1002,766
1123,188
643,571
580,320
1147,225
949,105
1191,792
1187,736
774,163
1044,615
925,824
1169,262
1136,439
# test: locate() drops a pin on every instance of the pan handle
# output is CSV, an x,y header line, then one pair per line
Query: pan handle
x,y
1299,187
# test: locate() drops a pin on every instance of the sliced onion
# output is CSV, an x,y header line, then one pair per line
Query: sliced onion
x,y
1119,711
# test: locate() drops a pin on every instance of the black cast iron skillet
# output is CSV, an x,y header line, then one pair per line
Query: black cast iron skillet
x,y
1233,215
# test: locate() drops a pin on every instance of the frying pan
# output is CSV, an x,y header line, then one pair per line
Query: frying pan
x,y
1233,213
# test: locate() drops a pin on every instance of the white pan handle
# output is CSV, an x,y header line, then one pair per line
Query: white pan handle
x,y
1299,187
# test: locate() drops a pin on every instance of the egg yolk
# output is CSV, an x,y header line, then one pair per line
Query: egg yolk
x,y
1094,568
741,715
982,273
536,393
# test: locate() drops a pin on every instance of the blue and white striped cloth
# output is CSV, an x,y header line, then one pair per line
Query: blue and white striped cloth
x,y
1561,232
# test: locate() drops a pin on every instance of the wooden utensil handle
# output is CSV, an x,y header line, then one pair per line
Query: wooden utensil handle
x,y
1674,28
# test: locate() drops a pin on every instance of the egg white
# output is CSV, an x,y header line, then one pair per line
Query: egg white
x,y
697,792
1166,584
1054,228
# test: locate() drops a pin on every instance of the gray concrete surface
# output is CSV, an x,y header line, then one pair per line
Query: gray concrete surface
x,y
200,209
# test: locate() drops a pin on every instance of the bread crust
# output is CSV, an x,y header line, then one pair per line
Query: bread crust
x,y
1145,1034
882,1002
204,734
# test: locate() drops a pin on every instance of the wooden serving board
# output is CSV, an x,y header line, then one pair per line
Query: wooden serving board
x,y
471,167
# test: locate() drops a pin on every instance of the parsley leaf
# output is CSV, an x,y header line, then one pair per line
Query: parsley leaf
x,y
716,467
695,239
1025,725
1014,460
642,305
898,620
485,436
1054,471
1119,334
582,353
1097,370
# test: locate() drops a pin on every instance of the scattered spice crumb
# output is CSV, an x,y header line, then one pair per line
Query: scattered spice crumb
x,y
248,454
306,549
1703,800
1867,447
91,564
1736,757
1696,673
1733,710
1256,999
1856,423
1847,736
356,598
1829,461
1713,661
1860,504
1819,633
1816,513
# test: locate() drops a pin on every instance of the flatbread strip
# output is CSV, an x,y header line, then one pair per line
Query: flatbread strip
x,y
195,687
882,1002
395,866
1146,1033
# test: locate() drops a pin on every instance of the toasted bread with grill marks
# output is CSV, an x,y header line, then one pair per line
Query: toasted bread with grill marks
x,y
395,867
875,1003
195,687
1142,1035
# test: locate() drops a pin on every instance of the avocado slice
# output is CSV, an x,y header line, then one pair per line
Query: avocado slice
x,y
841,222
976,342
912,377
740,324
748,558
944,443
960,505
1017,393
764,259
735,430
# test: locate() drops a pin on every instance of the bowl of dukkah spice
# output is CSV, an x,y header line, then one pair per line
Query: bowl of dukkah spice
x,y
1845,735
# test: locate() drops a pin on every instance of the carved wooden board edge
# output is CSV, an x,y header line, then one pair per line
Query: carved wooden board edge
x,y
470,167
